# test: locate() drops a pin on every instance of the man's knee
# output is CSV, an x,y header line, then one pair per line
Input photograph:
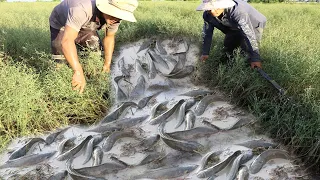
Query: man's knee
x,y
93,43
56,47
88,40
232,40
228,49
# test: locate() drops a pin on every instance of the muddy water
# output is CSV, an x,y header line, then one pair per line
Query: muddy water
x,y
220,113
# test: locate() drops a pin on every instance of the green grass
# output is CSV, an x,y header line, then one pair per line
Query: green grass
x,y
36,97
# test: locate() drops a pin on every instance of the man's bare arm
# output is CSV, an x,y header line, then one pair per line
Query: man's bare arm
x,y
70,52
108,44
69,48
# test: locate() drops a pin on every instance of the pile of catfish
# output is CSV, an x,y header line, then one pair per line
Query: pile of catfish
x,y
154,63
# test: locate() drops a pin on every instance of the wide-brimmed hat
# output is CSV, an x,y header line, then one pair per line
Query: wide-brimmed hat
x,y
215,4
122,9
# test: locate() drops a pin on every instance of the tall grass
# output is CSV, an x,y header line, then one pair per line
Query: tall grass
x,y
37,97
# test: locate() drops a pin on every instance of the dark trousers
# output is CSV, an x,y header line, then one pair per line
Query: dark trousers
x,y
234,39
86,39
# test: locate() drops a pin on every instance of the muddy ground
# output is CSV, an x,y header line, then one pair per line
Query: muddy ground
x,y
220,113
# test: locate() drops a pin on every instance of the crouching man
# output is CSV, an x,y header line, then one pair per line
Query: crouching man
x,y
239,21
77,21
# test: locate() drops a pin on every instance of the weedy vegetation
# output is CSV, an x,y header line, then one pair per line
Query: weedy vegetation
x,y
36,96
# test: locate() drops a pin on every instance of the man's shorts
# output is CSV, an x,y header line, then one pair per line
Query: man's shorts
x,y
86,39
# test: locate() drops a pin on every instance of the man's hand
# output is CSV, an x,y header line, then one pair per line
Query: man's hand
x,y
256,64
78,81
203,58
106,69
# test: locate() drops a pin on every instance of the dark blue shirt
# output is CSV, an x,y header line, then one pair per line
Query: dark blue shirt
x,y
242,17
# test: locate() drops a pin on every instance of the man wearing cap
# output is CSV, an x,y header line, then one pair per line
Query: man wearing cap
x,y
77,21
239,21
